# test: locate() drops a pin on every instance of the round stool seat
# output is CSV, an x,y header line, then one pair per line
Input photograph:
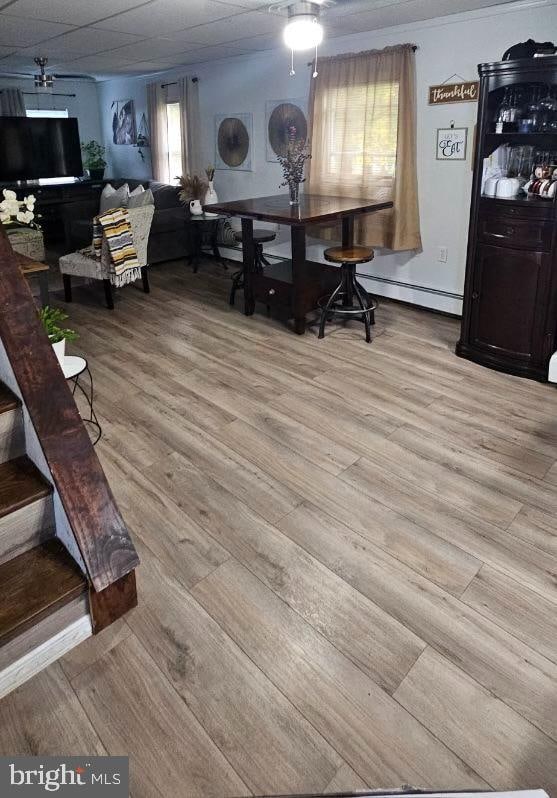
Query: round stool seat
x,y
353,254
259,236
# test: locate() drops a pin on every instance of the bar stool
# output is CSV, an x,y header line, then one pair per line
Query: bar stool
x,y
341,301
260,237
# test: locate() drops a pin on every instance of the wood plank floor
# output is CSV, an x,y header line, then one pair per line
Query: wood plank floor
x,y
349,557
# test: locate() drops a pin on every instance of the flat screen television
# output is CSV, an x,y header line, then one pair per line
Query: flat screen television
x,y
34,148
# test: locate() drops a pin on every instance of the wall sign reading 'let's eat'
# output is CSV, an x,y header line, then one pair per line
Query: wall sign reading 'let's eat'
x,y
466,92
451,143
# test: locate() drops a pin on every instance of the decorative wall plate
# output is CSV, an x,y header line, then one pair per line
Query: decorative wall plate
x,y
282,116
233,141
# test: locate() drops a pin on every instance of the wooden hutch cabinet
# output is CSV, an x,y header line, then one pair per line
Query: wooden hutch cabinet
x,y
510,296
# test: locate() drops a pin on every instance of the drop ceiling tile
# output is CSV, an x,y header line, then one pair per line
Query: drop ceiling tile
x,y
87,41
71,12
101,61
271,41
166,16
397,12
18,32
246,24
212,54
251,5
157,49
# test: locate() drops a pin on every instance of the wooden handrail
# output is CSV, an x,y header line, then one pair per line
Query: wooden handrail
x,y
99,530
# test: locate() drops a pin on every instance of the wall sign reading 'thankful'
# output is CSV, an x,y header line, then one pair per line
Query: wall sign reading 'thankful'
x,y
467,92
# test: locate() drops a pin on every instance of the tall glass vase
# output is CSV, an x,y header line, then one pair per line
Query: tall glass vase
x,y
294,191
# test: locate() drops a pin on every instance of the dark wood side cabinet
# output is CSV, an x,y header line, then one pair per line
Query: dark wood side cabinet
x,y
51,201
509,317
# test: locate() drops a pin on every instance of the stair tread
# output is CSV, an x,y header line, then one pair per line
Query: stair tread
x,y
21,483
8,400
34,585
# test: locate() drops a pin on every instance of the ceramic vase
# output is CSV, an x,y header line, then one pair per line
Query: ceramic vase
x,y
211,195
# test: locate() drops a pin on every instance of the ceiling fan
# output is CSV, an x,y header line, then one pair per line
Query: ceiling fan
x,y
44,81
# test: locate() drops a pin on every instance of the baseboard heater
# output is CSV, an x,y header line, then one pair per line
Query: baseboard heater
x,y
387,280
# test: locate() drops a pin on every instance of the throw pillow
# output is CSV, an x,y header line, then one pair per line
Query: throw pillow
x,y
137,190
141,199
114,198
225,234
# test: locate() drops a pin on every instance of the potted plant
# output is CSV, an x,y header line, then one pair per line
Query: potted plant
x,y
293,165
51,319
94,160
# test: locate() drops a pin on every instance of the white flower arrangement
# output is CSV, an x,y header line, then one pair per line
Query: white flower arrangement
x,y
18,212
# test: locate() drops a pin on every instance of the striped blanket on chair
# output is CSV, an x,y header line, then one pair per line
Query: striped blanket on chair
x,y
116,228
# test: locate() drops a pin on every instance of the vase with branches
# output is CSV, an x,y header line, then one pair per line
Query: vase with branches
x,y
293,164
193,188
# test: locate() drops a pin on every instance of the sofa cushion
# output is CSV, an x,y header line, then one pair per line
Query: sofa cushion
x,y
114,197
141,199
168,220
165,196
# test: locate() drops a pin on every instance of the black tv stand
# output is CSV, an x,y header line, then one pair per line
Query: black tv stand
x,y
52,200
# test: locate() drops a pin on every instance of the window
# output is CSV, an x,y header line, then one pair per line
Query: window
x,y
47,113
174,138
363,141
362,135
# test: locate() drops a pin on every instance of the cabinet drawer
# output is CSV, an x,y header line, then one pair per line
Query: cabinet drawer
x,y
513,209
271,291
516,233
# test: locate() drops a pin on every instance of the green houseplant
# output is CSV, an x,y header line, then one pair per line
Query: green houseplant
x,y
94,160
51,319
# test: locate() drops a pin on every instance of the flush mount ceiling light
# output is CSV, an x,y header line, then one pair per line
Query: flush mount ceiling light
x,y
42,80
303,31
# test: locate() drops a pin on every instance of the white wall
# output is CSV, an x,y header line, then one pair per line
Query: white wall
x,y
123,159
84,106
448,45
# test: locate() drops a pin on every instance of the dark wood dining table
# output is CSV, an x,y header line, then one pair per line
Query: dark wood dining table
x,y
295,284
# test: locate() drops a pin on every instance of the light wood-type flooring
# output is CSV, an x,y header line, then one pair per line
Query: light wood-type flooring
x,y
349,557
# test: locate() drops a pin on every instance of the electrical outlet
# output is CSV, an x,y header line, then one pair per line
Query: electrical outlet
x,y
443,254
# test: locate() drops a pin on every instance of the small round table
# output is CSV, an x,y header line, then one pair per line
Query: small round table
x,y
74,366
204,230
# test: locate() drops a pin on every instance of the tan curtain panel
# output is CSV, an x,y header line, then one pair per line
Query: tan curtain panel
x,y
190,127
156,104
363,141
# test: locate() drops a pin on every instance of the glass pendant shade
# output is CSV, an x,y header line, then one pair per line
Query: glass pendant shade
x,y
303,32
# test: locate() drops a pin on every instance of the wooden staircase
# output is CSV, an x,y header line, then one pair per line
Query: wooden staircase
x,y
42,590
67,561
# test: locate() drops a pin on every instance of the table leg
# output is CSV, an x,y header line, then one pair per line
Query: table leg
x,y
298,238
43,288
248,249
347,231
348,241
215,246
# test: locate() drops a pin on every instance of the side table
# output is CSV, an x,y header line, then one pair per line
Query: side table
x,y
205,230
74,366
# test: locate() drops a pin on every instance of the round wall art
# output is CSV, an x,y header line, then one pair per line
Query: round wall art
x,y
286,120
234,142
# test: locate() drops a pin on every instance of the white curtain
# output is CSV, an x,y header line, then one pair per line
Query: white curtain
x,y
12,102
188,93
156,104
